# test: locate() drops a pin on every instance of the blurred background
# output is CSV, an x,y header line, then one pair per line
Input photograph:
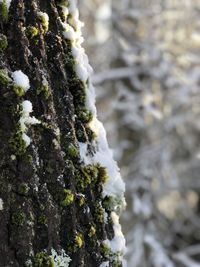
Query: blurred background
x,y
146,60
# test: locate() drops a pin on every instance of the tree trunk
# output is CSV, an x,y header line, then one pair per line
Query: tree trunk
x,y
60,190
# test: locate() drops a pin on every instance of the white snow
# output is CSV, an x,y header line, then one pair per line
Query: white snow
x,y
44,16
21,80
72,6
114,186
26,139
104,156
27,106
62,260
69,32
1,204
26,120
104,264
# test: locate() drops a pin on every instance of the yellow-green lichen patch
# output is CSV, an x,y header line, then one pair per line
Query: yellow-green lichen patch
x,y
18,218
4,78
31,32
69,198
42,259
78,241
16,142
81,199
3,11
92,231
18,90
43,18
3,42
23,189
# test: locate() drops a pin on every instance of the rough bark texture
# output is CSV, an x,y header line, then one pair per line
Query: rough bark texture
x,y
36,214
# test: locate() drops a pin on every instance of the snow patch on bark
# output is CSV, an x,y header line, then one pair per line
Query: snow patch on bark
x,y
26,120
114,187
62,260
20,79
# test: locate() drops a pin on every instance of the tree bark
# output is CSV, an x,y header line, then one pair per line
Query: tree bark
x,y
50,200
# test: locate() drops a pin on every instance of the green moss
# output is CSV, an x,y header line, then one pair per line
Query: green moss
x,y
105,250
43,219
30,158
4,78
31,31
84,115
83,179
92,231
69,198
72,151
3,42
99,213
102,174
4,11
16,143
23,189
18,90
18,218
42,259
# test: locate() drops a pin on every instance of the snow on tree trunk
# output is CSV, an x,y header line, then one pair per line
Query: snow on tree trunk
x,y
60,189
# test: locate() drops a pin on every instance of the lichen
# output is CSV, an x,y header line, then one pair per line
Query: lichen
x,y
42,259
81,199
3,42
18,90
31,31
92,231
18,218
69,198
78,242
44,20
4,11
